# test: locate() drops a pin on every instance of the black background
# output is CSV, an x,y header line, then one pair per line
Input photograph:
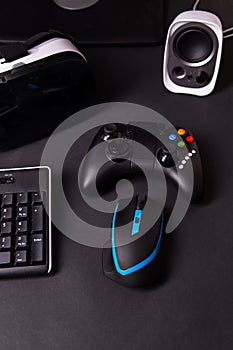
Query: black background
x,y
77,307
107,22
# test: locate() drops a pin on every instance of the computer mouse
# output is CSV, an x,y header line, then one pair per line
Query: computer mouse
x,y
135,256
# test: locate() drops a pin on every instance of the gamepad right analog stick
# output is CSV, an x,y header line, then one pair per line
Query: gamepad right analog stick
x,y
166,158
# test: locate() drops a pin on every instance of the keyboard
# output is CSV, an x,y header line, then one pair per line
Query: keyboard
x,y
25,221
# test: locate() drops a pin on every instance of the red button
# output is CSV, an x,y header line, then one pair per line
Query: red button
x,y
190,139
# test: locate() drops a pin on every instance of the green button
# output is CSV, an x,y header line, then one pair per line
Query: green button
x,y
181,144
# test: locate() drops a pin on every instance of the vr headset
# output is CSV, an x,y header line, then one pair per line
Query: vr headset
x,y
42,82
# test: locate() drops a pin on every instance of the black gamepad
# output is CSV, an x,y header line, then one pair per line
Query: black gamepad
x,y
173,151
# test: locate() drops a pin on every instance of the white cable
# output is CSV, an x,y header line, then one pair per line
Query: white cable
x,y
228,36
224,31
228,30
196,4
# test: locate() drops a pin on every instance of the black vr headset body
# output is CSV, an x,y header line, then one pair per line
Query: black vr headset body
x,y
42,82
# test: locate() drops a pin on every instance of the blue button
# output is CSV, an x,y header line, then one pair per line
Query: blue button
x,y
172,137
136,222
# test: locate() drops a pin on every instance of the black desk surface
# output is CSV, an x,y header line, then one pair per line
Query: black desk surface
x,y
77,307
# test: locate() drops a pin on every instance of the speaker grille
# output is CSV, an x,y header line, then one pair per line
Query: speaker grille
x,y
193,45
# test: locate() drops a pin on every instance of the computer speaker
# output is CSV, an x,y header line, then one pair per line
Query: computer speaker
x,y
193,53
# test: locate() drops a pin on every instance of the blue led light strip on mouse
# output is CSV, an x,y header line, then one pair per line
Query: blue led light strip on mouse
x,y
144,262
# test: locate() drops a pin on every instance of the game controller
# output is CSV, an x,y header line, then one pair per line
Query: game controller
x,y
174,151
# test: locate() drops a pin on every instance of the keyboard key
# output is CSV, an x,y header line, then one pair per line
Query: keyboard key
x,y
22,212
6,213
7,199
21,242
37,197
22,198
21,257
37,218
5,258
5,242
21,226
6,227
37,248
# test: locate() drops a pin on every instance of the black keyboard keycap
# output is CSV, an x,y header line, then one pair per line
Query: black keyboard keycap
x,y
21,257
5,258
7,199
37,197
22,198
21,226
5,242
22,212
37,218
37,248
6,227
6,213
21,242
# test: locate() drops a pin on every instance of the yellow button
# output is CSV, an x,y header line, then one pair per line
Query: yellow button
x,y
181,132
